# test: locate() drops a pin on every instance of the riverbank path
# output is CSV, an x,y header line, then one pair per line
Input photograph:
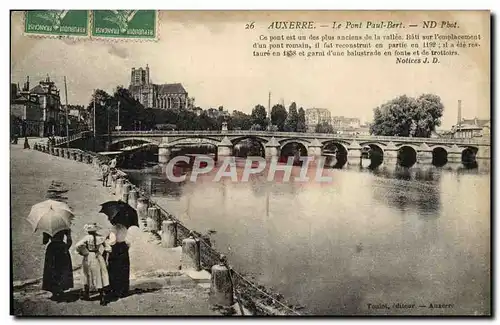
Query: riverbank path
x,y
157,287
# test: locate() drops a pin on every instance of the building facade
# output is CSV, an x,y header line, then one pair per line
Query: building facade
x,y
315,116
363,129
342,123
39,108
474,128
26,110
164,96
50,103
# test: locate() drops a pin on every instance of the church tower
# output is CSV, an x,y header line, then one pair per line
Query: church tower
x,y
139,77
132,77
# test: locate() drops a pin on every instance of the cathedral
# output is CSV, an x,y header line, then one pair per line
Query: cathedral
x,y
165,96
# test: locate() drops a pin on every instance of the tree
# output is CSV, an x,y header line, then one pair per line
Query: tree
x,y
428,115
189,121
186,119
240,121
132,113
292,118
148,122
102,101
406,116
259,116
278,116
301,123
165,116
206,122
323,127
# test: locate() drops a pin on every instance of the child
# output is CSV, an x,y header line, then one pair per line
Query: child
x,y
95,272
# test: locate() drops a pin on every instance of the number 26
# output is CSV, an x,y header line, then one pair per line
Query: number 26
x,y
250,25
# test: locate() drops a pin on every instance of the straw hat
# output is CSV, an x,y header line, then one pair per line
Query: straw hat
x,y
89,227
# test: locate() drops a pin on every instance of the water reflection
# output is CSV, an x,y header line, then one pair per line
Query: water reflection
x,y
371,235
155,183
410,188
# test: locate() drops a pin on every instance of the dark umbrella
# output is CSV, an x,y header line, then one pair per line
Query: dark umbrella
x,y
119,212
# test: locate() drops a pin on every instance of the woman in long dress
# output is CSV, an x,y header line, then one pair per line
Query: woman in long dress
x,y
58,269
95,273
119,261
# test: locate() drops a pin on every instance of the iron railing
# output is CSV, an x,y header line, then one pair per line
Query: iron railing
x,y
73,137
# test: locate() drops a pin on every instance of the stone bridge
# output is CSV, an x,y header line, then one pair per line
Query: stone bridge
x,y
315,144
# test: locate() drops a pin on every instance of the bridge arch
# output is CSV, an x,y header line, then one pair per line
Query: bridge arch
x,y
137,139
262,140
376,153
378,146
407,155
303,142
413,146
439,146
192,145
469,155
293,147
336,152
339,144
250,151
439,155
192,141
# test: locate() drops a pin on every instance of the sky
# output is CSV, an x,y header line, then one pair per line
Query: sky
x,y
210,53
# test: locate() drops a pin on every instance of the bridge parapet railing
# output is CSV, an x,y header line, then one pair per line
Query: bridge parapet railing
x,y
73,137
482,141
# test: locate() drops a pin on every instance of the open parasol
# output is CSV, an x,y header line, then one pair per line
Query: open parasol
x,y
50,217
119,212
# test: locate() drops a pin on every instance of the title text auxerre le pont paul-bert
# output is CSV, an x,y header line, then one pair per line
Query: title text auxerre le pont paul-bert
x,y
383,24
346,24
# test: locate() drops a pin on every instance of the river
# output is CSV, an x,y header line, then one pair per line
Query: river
x,y
387,236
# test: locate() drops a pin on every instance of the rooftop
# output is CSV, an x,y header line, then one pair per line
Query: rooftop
x,y
174,88
323,110
22,98
468,127
343,118
475,121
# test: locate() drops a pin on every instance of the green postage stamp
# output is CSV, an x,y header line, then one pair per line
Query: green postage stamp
x,y
57,22
125,24
110,24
